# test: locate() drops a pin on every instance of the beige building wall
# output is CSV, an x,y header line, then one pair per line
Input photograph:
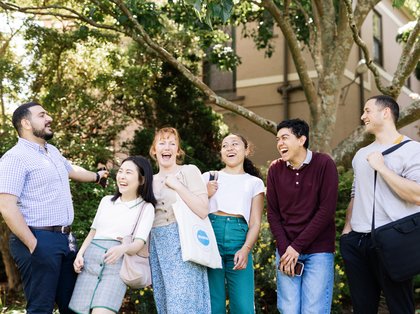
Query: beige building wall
x,y
258,78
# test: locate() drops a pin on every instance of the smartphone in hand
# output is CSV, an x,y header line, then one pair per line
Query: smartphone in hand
x,y
298,268
104,180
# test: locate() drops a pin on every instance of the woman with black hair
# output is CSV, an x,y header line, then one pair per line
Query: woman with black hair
x,y
99,288
236,203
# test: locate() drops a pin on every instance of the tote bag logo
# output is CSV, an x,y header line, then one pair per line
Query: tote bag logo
x,y
201,237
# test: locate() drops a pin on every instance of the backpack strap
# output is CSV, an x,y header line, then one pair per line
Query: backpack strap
x,y
385,152
395,147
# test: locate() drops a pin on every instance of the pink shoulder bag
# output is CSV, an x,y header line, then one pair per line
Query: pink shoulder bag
x,y
135,269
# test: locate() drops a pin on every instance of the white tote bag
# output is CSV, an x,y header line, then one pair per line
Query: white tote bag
x,y
198,242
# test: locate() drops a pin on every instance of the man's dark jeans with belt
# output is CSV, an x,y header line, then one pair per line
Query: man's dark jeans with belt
x,y
47,274
367,278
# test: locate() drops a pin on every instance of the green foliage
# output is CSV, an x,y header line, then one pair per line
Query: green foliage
x,y
147,14
265,270
215,10
224,57
398,3
299,21
341,289
77,93
11,76
86,198
413,6
209,41
8,136
257,23
139,301
263,34
181,105
172,24
244,13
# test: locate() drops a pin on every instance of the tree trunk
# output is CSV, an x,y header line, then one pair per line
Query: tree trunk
x,y
324,119
13,277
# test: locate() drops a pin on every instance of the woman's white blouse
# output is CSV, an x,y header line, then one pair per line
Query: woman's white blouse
x,y
115,220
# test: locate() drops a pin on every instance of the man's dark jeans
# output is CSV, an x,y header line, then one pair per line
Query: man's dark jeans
x,y
47,274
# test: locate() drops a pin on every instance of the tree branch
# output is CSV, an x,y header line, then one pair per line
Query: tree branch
x,y
329,28
317,50
296,51
410,56
362,9
47,10
7,41
369,62
266,124
139,35
314,31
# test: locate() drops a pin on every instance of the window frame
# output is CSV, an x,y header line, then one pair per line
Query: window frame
x,y
377,42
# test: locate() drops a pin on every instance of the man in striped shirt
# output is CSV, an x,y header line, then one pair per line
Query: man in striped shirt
x,y
36,204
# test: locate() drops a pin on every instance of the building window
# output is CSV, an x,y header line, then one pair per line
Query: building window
x,y
222,83
377,38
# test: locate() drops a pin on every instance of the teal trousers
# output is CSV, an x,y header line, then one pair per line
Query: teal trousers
x,y
226,283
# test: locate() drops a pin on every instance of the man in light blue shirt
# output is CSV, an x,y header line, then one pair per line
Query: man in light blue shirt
x,y
36,204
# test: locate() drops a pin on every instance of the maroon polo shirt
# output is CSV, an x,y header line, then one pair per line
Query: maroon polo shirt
x,y
302,204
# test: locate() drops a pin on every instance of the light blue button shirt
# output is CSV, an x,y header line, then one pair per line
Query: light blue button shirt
x,y
39,177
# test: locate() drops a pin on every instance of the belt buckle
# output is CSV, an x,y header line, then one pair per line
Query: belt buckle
x,y
63,229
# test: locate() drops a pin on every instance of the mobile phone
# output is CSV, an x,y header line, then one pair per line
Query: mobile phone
x,y
214,175
298,268
104,180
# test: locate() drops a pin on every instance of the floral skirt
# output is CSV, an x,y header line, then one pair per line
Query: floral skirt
x,y
179,287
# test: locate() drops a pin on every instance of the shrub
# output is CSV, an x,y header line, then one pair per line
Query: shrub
x,y
86,198
341,290
265,271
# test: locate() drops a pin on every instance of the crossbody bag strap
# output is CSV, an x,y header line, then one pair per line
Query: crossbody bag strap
x,y
140,214
385,152
138,219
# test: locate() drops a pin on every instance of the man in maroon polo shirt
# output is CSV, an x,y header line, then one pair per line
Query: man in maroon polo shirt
x,y
302,188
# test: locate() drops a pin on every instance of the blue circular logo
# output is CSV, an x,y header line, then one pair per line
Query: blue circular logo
x,y
202,237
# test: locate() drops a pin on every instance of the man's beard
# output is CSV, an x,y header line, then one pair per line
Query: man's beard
x,y
42,134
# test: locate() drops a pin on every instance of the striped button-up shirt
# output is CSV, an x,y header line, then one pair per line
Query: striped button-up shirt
x,y
39,177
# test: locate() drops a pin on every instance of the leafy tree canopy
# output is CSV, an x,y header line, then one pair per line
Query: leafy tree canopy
x,y
171,32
